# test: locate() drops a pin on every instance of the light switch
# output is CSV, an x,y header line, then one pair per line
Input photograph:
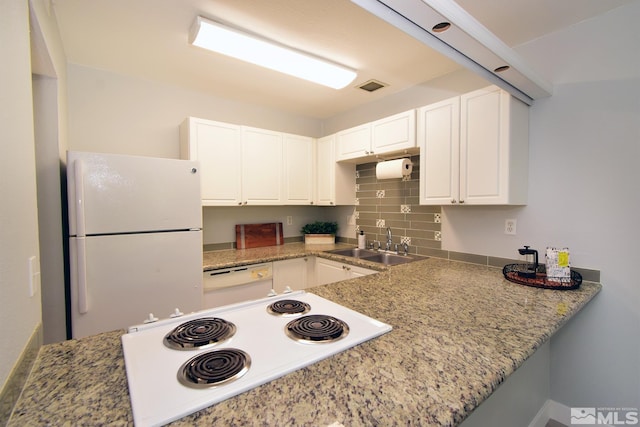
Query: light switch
x,y
34,276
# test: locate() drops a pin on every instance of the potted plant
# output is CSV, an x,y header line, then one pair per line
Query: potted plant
x,y
320,232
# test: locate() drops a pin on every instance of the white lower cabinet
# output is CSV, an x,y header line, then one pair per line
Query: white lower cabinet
x,y
328,271
291,273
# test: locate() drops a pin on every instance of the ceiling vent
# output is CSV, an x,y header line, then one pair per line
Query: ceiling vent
x,y
372,85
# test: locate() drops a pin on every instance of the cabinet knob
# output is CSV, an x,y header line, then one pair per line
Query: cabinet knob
x,y
310,203
239,203
453,201
461,201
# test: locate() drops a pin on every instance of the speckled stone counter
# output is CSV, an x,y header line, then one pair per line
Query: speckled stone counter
x,y
232,258
458,331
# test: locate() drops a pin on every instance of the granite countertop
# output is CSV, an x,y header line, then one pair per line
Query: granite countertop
x,y
233,258
458,331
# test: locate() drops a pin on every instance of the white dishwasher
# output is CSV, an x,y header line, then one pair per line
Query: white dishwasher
x,y
231,285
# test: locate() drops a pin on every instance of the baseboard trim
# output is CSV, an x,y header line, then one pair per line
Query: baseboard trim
x,y
19,374
542,417
554,410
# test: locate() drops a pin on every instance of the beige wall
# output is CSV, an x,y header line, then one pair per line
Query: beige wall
x,y
583,177
49,85
20,313
113,113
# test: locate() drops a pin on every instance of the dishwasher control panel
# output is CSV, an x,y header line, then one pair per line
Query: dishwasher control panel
x,y
236,276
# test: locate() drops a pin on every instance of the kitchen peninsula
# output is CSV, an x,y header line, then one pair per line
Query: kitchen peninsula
x,y
459,330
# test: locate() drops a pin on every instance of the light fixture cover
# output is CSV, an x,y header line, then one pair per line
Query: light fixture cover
x,y
231,42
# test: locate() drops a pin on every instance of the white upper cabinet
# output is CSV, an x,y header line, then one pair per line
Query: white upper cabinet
x,y
354,143
242,165
494,148
218,148
262,167
394,133
335,182
299,169
439,136
474,150
388,135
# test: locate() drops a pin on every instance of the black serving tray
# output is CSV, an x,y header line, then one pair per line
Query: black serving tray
x,y
510,272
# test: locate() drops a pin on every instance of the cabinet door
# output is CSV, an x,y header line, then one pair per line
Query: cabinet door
x,y
291,273
335,182
328,271
438,136
262,172
394,133
353,143
217,147
494,148
325,171
299,167
360,271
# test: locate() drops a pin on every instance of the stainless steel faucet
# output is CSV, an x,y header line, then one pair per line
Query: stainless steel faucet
x,y
389,239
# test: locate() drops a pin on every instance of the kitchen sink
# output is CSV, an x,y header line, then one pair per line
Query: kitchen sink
x,y
389,259
385,258
354,252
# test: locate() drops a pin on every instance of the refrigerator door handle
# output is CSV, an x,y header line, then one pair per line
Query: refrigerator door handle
x,y
79,201
81,257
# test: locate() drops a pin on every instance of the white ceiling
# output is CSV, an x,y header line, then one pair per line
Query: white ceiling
x,y
148,39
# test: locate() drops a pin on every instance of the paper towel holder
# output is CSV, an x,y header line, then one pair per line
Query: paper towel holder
x,y
405,155
396,168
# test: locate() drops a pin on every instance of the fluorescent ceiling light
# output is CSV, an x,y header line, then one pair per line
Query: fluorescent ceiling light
x,y
231,42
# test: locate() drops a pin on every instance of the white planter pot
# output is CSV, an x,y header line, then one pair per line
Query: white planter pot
x,y
319,239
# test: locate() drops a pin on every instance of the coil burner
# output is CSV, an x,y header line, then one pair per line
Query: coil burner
x,y
199,334
288,308
316,328
213,368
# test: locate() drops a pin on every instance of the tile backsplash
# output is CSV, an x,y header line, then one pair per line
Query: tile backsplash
x,y
395,203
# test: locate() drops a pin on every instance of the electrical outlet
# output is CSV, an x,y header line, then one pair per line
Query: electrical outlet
x,y
289,220
510,226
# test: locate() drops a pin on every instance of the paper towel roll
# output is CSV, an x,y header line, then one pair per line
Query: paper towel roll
x,y
394,169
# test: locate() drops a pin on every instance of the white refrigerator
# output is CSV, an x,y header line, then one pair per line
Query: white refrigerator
x,y
135,240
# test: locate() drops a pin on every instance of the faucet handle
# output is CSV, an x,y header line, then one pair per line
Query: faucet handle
x,y
405,246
